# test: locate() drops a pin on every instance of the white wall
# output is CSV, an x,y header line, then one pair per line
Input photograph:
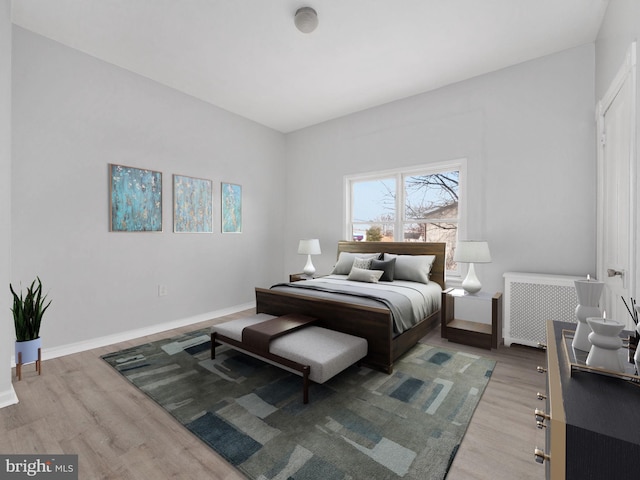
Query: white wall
x,y
620,27
528,134
526,131
72,116
7,394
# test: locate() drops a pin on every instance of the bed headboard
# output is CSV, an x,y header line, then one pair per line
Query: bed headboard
x,y
402,248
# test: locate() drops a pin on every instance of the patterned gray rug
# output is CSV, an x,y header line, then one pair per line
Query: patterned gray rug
x,y
361,424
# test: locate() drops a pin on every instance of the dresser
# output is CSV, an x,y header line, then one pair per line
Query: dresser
x,y
591,421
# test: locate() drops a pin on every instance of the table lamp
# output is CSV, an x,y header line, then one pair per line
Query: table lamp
x,y
309,247
472,251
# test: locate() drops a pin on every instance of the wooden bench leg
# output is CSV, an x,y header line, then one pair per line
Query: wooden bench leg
x,y
39,362
19,366
305,384
213,345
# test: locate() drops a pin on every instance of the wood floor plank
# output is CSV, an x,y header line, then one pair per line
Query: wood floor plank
x,y
80,405
502,434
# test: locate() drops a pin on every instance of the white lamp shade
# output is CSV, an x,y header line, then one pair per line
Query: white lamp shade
x,y
472,251
309,247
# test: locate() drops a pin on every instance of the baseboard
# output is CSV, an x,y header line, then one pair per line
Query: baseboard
x,y
54,352
8,397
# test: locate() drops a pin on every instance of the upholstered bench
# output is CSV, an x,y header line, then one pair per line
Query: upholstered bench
x,y
292,342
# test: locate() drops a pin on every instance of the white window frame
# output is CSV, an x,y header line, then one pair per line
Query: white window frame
x,y
400,174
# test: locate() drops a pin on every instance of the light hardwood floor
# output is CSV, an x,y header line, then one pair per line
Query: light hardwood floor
x,y
80,405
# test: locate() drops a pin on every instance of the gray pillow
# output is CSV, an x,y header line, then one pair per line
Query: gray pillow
x,y
387,266
415,268
345,261
362,275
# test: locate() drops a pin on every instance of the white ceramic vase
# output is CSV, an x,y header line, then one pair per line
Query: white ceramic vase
x,y
588,292
605,343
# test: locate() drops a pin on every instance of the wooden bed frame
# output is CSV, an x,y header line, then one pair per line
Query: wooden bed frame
x,y
373,324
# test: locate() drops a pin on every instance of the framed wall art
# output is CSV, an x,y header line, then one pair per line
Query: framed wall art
x,y
136,199
192,205
231,208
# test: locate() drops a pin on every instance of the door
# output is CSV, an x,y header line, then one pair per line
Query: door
x,y
616,201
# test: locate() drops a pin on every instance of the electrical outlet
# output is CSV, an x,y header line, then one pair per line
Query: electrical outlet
x,y
162,290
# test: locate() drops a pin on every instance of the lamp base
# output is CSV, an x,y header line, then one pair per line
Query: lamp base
x,y
471,284
309,269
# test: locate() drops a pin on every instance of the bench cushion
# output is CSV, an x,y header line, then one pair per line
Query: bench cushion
x,y
327,352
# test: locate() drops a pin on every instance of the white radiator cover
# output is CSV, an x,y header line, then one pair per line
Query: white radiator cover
x,y
530,299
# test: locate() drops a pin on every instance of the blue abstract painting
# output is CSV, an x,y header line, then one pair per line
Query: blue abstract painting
x,y
136,199
231,208
192,205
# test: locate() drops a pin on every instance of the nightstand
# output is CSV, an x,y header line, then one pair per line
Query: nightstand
x,y
472,319
297,277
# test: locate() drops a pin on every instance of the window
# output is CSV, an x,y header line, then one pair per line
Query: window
x,y
411,205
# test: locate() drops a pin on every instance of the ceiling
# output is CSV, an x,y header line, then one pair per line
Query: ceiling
x,y
247,57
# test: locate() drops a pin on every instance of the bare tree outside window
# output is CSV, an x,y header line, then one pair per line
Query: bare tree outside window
x,y
407,207
431,210
431,196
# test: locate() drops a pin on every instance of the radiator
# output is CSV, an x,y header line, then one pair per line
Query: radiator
x,y
530,299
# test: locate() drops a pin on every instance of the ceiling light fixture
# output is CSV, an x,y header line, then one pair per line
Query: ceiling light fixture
x,y
306,19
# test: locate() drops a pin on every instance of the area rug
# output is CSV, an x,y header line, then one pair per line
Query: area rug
x,y
361,424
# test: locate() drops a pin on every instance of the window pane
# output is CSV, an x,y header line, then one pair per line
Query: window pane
x,y
434,232
374,200
375,232
433,196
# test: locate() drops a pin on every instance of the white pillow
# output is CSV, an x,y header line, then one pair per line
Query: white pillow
x,y
345,261
362,275
364,263
415,268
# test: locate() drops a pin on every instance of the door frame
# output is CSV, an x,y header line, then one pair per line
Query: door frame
x,y
626,72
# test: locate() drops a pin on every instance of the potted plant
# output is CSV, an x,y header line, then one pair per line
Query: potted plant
x,y
28,311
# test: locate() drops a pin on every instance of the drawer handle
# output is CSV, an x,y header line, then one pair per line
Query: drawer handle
x,y
540,456
541,396
541,416
541,369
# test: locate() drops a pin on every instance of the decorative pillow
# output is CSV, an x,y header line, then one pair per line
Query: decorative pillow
x,y
387,266
415,268
362,275
345,261
364,263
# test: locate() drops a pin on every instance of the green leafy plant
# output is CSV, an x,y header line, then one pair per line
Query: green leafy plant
x,y
374,234
28,311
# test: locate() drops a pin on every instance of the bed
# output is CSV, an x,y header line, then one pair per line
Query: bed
x,y
363,317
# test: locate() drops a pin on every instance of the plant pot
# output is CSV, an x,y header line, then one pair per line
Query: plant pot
x,y
28,351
